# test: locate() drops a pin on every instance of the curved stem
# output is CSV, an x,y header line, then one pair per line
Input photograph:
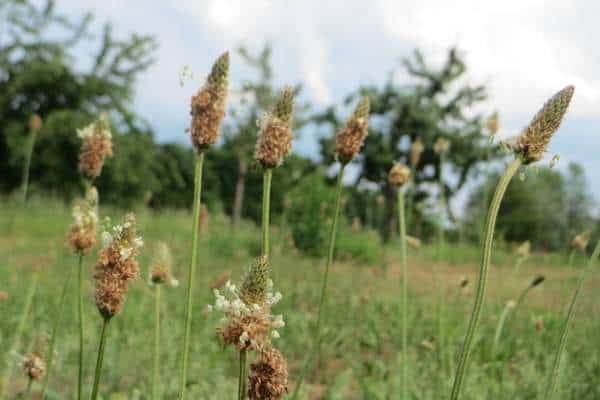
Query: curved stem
x,y
323,295
52,344
482,279
81,329
402,226
553,380
19,332
156,342
191,276
100,359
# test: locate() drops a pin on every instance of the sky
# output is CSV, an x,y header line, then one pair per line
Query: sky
x,y
522,50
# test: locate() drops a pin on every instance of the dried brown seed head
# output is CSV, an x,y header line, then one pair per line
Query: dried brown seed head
x,y
208,106
534,139
275,137
416,149
441,146
268,378
399,175
35,123
162,266
351,137
96,146
34,366
581,241
82,233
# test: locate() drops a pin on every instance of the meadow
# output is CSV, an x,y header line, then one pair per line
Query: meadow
x,y
361,342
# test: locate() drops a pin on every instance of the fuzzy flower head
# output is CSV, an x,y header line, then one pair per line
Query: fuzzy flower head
x,y
268,378
399,175
275,136
82,234
533,141
349,140
441,146
416,149
247,322
524,249
161,267
34,366
117,266
208,106
581,241
96,146
493,124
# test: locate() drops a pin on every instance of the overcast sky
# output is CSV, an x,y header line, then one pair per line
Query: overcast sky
x,y
523,50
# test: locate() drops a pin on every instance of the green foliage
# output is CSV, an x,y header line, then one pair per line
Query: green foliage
x,y
538,207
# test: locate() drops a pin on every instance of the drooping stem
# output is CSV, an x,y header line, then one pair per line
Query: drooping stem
x,y
81,329
52,344
403,266
155,367
28,157
553,379
100,359
19,332
191,276
323,295
482,279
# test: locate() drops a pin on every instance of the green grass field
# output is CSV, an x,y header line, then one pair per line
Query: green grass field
x,y
359,358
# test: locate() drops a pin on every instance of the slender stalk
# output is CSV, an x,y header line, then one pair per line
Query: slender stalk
x,y
266,206
19,333
242,376
402,226
156,342
81,329
323,295
191,276
440,284
571,258
101,350
28,156
52,344
553,379
482,279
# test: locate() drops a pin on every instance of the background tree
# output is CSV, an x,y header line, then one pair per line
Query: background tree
x,y
38,75
436,103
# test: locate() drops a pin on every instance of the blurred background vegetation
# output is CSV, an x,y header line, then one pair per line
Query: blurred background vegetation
x,y
39,74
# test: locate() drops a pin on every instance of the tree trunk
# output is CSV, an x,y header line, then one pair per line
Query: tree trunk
x,y
238,200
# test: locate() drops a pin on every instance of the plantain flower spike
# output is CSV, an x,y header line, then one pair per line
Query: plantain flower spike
x,y
82,233
275,136
534,139
268,376
35,123
161,270
351,137
208,106
96,147
581,241
441,146
416,149
255,284
493,124
399,175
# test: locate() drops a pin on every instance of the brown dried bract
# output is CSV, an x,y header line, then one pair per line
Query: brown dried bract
x,y
248,331
274,143
112,275
82,240
268,378
34,367
208,111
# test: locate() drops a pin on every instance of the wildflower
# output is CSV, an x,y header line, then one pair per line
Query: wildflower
x,y
531,144
399,175
34,366
416,149
581,241
492,124
441,146
161,267
524,250
82,234
208,106
117,267
97,145
413,242
35,123
275,137
268,376
464,281
537,280
350,138
248,322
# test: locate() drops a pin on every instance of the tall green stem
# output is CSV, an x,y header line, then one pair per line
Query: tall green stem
x,y
100,359
482,279
28,157
191,276
155,368
19,332
553,379
52,344
402,226
242,375
439,280
323,295
81,329
571,259
266,206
